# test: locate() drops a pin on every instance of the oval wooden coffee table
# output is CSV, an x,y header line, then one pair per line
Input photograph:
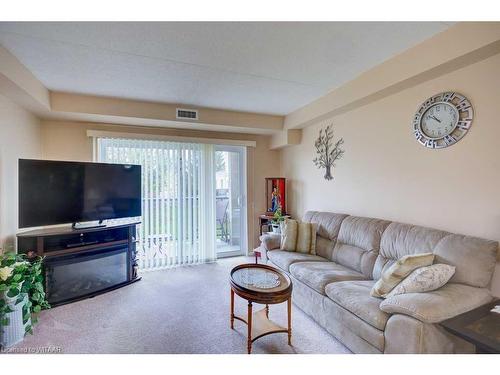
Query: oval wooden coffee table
x,y
265,285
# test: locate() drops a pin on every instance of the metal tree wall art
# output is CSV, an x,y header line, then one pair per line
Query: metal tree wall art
x,y
327,152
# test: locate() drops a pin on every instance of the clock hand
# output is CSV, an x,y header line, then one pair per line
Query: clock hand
x,y
436,119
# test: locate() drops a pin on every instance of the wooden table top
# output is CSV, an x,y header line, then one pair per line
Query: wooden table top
x,y
261,295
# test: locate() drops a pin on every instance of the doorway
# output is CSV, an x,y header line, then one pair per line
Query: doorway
x,y
230,197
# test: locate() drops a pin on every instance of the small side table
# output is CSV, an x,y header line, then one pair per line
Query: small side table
x,y
480,327
258,323
265,219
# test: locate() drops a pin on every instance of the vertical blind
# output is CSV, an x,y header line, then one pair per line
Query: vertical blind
x,y
178,198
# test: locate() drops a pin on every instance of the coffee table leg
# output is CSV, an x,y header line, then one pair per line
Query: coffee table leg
x,y
267,311
232,308
289,303
249,335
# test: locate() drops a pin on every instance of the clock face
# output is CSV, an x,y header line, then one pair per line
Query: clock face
x,y
439,120
442,120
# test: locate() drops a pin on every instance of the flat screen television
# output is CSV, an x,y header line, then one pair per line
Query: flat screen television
x,y
60,192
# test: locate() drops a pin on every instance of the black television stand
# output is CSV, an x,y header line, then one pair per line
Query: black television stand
x,y
81,263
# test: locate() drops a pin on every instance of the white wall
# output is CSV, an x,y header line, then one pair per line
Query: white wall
x,y
19,138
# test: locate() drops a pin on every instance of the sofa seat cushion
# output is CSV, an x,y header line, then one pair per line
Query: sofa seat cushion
x,y
318,275
283,259
352,331
354,296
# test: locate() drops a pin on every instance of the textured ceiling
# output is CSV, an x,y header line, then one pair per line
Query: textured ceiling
x,y
257,67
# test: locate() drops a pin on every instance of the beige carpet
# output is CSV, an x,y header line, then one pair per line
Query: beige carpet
x,y
181,310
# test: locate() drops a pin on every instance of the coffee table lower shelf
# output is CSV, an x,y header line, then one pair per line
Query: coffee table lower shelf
x,y
263,326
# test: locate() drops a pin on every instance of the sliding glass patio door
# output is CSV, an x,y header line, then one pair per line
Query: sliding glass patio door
x,y
230,197
178,198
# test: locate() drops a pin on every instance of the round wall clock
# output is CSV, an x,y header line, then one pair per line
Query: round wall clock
x,y
442,120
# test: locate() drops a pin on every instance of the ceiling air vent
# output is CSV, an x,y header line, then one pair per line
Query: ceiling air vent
x,y
186,114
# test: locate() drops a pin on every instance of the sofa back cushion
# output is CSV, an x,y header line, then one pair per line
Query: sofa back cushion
x,y
401,239
358,243
324,247
328,226
474,258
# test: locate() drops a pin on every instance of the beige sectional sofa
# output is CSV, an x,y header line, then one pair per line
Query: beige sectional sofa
x,y
333,287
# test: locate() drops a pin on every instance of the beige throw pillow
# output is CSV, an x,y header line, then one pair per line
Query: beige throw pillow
x,y
398,271
424,279
289,230
306,238
300,237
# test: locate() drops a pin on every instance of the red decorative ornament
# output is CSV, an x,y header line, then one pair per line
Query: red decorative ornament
x,y
276,194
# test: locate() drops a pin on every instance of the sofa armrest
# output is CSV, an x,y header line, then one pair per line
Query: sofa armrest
x,y
438,305
406,335
270,241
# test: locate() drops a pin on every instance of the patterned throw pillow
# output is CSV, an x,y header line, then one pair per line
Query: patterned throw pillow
x,y
424,279
398,271
300,237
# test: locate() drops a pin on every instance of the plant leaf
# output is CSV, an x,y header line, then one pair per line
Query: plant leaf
x,y
29,329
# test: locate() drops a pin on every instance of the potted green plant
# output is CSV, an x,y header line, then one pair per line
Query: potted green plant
x,y
278,218
22,296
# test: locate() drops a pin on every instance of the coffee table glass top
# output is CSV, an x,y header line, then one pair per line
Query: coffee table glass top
x,y
260,279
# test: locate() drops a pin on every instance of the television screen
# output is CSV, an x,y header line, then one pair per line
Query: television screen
x,y
60,192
